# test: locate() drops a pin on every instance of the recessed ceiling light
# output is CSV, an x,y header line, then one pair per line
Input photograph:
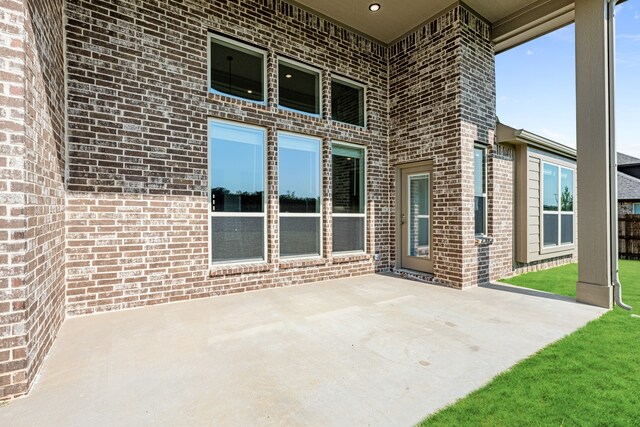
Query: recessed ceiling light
x,y
249,91
374,7
288,76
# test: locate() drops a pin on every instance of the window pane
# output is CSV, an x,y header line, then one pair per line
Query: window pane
x,y
479,172
566,186
419,195
419,215
480,215
567,229
298,88
419,234
299,174
550,229
480,189
348,234
348,179
636,208
236,168
550,188
235,239
347,103
299,236
236,70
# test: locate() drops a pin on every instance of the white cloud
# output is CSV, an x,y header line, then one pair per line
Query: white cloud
x,y
529,52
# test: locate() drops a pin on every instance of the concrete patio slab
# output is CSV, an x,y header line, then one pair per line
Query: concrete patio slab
x,y
370,350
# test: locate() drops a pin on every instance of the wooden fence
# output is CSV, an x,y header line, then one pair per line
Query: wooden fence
x,y
629,237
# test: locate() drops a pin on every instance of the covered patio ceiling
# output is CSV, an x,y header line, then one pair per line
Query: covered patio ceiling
x,y
513,21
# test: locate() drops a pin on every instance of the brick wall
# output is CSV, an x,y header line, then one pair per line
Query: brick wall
x,y
442,101
501,210
32,189
138,110
13,221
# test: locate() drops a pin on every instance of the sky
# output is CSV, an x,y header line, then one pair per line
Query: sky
x,y
536,83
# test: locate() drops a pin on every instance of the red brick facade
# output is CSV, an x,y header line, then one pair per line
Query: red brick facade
x,y
129,227
32,215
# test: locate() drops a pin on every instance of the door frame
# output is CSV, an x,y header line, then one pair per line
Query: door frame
x,y
399,189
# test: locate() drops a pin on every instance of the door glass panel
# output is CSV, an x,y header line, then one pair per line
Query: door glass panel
x,y
418,216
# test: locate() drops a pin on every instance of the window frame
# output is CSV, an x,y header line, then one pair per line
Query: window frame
x,y
242,45
265,197
350,82
485,196
633,208
364,189
305,214
544,248
305,67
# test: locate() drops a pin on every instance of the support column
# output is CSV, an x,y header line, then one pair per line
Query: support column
x,y
593,134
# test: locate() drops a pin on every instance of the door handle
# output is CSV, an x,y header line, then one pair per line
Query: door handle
x,y
402,219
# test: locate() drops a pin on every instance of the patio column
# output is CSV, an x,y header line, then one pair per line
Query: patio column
x,y
593,137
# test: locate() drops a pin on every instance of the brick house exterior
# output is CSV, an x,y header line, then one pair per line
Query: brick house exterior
x,y
104,155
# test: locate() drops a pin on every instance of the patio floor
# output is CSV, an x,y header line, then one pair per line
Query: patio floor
x,y
370,350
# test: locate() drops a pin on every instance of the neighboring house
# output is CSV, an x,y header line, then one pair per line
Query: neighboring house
x,y
169,150
628,185
545,202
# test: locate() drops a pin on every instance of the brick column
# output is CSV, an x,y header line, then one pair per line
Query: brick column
x,y
442,102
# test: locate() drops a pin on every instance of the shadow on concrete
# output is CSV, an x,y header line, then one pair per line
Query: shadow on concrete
x,y
525,291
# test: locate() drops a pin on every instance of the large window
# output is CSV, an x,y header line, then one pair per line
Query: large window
x,y
299,184
348,179
480,189
236,183
236,69
557,205
298,87
347,101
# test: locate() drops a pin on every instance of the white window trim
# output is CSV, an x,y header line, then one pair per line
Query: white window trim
x,y
352,215
304,214
213,214
559,212
211,36
349,82
486,188
295,64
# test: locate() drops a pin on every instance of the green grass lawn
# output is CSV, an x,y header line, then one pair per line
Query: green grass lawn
x,y
590,378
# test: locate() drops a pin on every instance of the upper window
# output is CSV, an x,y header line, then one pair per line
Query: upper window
x,y
348,188
480,189
299,184
236,69
347,102
236,185
636,208
298,87
557,205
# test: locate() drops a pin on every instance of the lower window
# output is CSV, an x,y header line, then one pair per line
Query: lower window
x,y
348,198
299,181
557,205
236,192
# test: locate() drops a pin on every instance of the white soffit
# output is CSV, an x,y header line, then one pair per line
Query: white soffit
x,y
518,20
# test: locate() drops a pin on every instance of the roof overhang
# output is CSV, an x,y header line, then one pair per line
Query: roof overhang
x,y
508,135
537,19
